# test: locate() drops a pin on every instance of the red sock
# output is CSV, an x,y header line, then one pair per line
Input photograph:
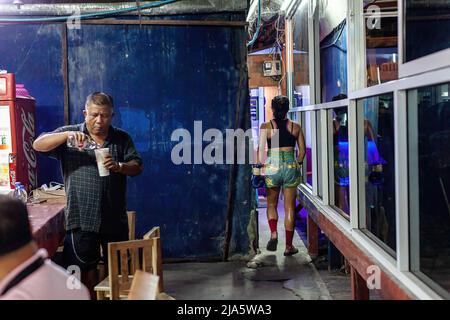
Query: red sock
x,y
289,236
273,225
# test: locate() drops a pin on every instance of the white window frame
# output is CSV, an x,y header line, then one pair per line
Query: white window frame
x,y
290,15
289,60
428,76
316,164
403,186
313,138
356,46
401,180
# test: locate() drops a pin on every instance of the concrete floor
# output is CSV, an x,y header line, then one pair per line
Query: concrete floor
x,y
271,276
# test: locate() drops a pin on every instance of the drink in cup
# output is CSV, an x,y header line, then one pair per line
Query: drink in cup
x,y
100,157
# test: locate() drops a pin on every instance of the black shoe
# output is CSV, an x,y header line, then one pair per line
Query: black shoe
x,y
291,251
272,245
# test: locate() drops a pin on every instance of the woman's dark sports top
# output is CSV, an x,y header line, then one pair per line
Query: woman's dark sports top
x,y
286,139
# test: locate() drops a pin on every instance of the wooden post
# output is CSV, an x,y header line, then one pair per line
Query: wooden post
x,y
312,232
65,71
359,286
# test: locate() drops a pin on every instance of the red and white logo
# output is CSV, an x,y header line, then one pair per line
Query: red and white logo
x,y
28,134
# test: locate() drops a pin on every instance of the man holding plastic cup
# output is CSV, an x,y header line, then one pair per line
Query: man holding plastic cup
x,y
95,158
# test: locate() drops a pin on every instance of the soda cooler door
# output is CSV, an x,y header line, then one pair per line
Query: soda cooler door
x,y
6,145
17,132
24,133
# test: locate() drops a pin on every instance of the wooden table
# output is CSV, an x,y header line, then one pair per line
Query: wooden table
x,y
47,223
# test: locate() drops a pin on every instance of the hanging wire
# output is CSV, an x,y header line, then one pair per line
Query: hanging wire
x,y
91,15
258,25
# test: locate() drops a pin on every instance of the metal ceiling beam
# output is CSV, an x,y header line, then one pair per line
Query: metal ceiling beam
x,y
181,7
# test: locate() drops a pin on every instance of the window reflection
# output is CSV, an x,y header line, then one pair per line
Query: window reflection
x,y
379,170
429,135
333,48
426,28
307,129
301,57
340,159
381,41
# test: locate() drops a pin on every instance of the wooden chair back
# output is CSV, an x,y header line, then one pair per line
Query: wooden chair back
x,y
125,258
155,233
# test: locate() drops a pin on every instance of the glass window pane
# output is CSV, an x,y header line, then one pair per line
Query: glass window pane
x,y
301,56
333,48
340,159
381,42
307,129
379,167
319,154
429,175
426,27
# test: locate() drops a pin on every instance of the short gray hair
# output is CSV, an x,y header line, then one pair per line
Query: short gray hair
x,y
100,99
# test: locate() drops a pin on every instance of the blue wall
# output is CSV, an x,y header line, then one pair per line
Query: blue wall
x,y
162,78
33,53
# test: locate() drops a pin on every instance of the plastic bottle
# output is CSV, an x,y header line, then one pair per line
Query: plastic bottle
x,y
88,144
3,141
20,192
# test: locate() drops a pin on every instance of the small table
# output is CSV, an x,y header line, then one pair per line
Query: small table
x,y
47,224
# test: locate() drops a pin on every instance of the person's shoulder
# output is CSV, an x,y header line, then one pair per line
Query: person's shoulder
x,y
297,128
66,280
265,125
70,127
121,134
49,282
17,295
295,124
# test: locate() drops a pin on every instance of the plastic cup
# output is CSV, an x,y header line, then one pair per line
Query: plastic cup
x,y
100,157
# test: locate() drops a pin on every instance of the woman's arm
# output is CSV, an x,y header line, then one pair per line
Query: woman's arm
x,y
301,145
261,154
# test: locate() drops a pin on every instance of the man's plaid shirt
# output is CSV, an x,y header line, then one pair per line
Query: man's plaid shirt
x,y
95,203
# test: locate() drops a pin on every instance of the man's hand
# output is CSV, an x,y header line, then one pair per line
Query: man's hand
x,y
111,164
79,138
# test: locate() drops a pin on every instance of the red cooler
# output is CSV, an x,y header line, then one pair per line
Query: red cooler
x,y
18,161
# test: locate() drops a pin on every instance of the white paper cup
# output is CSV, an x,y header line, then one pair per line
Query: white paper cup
x,y
100,156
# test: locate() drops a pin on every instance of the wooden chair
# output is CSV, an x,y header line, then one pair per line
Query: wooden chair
x,y
124,259
144,286
155,233
131,216
164,296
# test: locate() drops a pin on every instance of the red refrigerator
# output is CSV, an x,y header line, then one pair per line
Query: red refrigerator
x,y
18,161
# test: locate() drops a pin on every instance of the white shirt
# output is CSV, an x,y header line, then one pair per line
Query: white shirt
x,y
48,282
